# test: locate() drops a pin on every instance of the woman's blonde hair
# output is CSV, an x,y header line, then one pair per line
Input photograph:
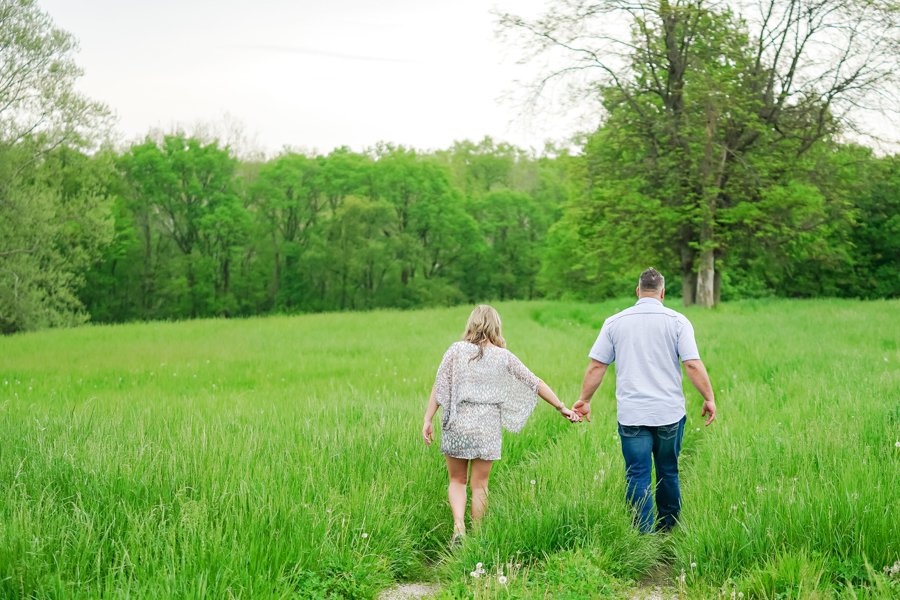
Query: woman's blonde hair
x,y
484,327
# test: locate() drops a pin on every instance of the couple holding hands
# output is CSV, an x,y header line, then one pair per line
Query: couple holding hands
x,y
482,388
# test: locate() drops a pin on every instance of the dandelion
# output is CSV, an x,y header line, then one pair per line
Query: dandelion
x,y
698,429
897,444
502,580
693,566
365,535
475,574
479,566
533,482
740,594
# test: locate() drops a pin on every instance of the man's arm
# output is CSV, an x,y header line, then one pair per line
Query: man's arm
x,y
592,378
696,372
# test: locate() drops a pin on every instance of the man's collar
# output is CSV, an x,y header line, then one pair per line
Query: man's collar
x,y
646,300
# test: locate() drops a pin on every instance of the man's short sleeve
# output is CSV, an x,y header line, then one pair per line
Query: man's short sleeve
x,y
687,345
603,349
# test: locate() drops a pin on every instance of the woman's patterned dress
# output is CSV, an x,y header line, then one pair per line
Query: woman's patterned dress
x,y
481,395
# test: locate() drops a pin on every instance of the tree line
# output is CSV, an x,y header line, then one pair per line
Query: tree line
x,y
711,164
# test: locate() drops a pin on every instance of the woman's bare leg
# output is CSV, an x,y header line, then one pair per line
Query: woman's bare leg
x,y
458,468
481,471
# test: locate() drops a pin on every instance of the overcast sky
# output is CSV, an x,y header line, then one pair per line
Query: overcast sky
x,y
309,74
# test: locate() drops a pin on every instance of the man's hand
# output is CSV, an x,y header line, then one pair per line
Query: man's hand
x,y
428,433
709,408
582,409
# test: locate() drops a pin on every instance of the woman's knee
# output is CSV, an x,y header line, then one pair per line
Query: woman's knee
x,y
478,482
459,478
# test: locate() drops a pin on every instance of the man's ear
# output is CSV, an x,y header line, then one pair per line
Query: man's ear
x,y
662,294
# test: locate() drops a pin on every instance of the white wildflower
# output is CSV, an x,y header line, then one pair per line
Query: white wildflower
x,y
533,482
479,566
502,580
475,574
693,565
740,594
897,444
365,535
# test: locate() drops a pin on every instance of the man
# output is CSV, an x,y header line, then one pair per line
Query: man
x,y
647,341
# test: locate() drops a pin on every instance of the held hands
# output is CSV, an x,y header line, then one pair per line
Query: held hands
x,y
583,410
428,433
570,415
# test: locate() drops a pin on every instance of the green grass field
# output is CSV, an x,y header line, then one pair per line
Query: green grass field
x,y
281,458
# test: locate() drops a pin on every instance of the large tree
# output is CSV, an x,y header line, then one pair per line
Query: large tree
x,y
49,234
711,105
185,191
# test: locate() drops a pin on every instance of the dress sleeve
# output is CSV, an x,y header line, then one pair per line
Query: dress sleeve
x,y
520,395
518,370
443,381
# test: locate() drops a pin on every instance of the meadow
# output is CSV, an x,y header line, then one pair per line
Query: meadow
x,y
281,457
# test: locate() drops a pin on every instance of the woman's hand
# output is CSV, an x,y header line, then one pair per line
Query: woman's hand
x,y
428,433
570,415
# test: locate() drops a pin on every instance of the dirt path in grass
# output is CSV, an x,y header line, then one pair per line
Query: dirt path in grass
x,y
656,585
409,591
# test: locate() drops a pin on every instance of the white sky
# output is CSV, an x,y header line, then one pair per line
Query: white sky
x,y
318,74
309,74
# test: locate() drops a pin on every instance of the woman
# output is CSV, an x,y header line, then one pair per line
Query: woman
x,y
482,387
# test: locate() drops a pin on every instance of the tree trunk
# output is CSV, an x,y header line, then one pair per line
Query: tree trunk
x,y
706,275
192,285
688,288
276,280
688,277
713,170
717,287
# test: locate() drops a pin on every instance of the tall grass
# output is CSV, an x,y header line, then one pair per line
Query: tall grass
x,y
281,458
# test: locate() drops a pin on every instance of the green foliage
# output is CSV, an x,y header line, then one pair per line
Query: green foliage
x,y
55,221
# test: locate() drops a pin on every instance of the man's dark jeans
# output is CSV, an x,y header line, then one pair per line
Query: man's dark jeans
x,y
663,444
